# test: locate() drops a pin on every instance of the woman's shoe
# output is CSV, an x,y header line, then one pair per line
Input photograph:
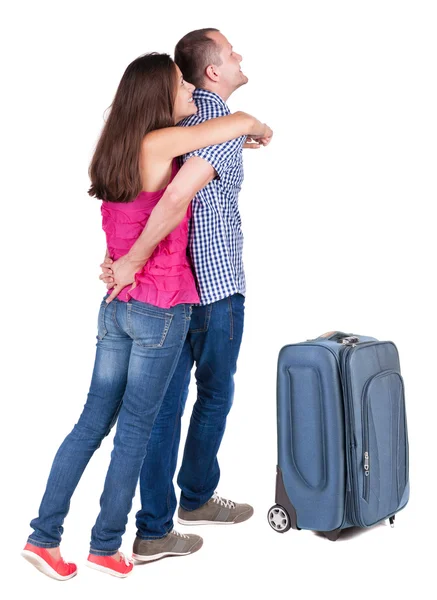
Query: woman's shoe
x,y
44,562
108,564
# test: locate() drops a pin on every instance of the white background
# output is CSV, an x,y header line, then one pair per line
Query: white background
x,y
339,234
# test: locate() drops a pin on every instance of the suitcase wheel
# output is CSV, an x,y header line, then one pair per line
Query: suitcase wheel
x,y
278,519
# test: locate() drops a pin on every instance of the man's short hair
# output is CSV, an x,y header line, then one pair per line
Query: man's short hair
x,y
194,52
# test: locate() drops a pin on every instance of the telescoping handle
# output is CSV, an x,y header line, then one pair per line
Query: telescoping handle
x,y
340,336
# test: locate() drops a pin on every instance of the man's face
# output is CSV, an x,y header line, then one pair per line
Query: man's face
x,y
230,72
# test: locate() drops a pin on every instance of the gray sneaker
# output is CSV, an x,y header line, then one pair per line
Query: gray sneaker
x,y
173,544
217,511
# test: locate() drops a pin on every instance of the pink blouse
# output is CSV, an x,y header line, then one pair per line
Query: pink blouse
x,y
167,278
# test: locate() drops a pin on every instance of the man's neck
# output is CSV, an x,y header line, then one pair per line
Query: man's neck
x,y
224,94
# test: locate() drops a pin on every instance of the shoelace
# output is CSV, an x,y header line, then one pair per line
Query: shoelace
x,y
127,561
182,535
222,501
61,560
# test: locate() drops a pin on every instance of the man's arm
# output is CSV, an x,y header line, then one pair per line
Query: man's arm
x,y
166,216
171,209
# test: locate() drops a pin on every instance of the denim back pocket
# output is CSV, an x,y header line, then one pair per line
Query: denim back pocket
x,y
200,317
148,325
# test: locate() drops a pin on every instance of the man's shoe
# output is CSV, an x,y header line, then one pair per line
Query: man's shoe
x,y
173,544
217,511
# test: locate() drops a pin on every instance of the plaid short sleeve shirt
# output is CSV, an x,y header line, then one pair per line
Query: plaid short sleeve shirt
x,y
216,238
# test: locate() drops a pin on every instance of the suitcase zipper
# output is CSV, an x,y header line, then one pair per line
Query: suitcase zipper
x,y
350,443
366,465
366,484
349,414
366,442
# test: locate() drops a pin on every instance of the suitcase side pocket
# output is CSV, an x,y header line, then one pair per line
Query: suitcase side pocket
x,y
384,445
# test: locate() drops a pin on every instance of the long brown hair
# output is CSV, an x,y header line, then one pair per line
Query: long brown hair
x,y
143,102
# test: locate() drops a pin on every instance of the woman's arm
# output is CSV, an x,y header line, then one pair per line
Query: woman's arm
x,y
169,142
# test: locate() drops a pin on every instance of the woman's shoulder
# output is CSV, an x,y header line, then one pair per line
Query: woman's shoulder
x,y
154,139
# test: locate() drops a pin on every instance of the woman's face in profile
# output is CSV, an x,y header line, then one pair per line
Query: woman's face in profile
x,y
184,105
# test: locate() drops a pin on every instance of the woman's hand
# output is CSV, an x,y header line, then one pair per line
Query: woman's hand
x,y
256,141
106,275
265,137
119,274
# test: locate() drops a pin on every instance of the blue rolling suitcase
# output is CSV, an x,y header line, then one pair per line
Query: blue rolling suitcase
x,y
342,435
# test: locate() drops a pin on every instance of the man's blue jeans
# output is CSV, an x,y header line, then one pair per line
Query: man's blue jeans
x,y
138,348
213,343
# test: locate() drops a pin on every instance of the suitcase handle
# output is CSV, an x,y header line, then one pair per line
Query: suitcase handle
x,y
339,336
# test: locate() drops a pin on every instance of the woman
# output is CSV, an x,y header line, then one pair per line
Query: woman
x,y
141,333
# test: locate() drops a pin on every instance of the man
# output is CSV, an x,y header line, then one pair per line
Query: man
x,y
208,61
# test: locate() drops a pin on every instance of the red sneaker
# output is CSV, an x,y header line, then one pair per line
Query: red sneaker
x,y
44,562
108,564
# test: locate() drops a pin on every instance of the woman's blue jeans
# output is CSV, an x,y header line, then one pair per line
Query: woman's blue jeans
x,y
138,349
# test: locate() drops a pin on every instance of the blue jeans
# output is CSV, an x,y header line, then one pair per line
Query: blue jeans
x,y
213,343
138,348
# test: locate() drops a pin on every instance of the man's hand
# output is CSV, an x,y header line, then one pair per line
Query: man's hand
x,y
251,143
119,274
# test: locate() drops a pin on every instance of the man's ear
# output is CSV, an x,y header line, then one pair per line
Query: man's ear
x,y
212,73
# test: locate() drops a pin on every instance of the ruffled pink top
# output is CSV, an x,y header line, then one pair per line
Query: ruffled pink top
x,y
167,278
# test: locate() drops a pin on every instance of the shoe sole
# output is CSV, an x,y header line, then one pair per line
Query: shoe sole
x,y
183,522
106,570
197,522
44,567
192,550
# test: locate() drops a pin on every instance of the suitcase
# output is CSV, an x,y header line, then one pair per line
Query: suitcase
x,y
342,435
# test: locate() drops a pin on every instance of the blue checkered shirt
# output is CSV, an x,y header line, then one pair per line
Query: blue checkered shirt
x,y
215,237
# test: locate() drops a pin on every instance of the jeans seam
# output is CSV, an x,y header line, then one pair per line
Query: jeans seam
x,y
39,544
152,539
101,328
208,316
231,318
192,509
168,322
172,442
204,329
129,319
114,418
114,318
186,324
98,552
175,427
